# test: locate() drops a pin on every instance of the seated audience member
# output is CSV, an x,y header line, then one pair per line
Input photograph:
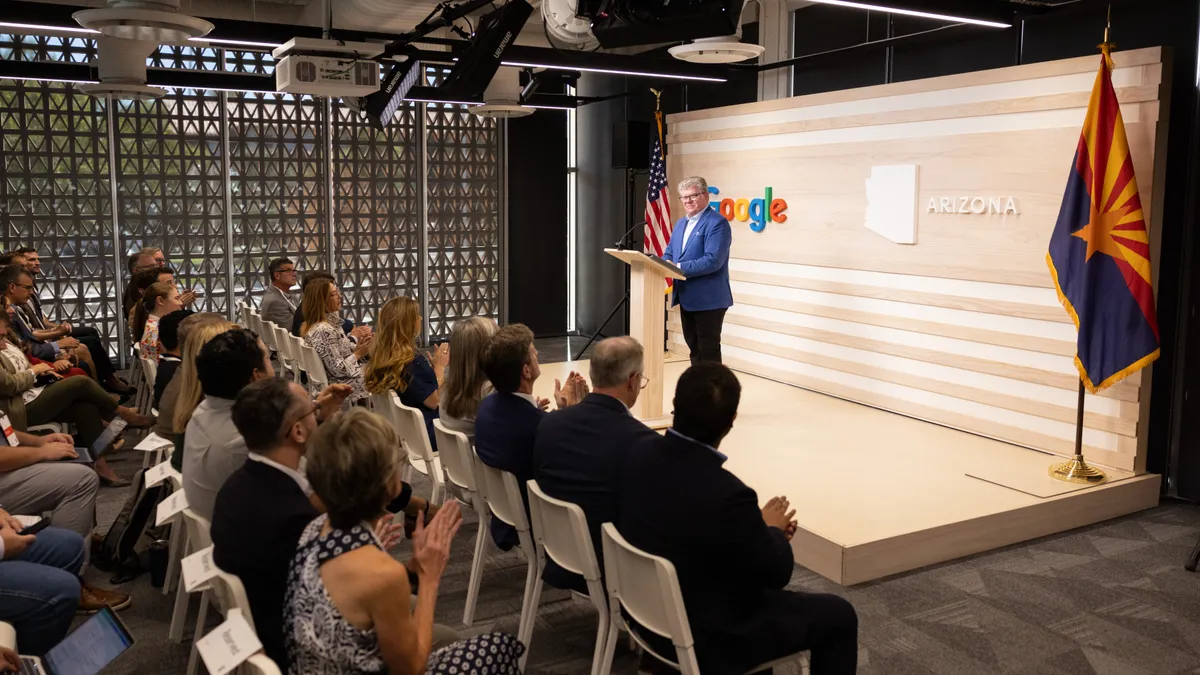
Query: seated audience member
x,y
507,421
34,394
87,336
183,393
298,315
63,362
142,281
733,559
347,608
213,448
40,589
579,451
398,365
465,384
17,286
264,506
159,300
168,351
341,354
278,307
144,260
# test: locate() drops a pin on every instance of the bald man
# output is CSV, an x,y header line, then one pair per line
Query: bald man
x,y
579,451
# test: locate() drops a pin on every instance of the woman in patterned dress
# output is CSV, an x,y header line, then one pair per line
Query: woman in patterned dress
x,y
341,354
347,608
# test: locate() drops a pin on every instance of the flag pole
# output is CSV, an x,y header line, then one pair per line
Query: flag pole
x,y
1077,470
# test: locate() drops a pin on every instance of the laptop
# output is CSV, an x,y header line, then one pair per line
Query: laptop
x,y
86,651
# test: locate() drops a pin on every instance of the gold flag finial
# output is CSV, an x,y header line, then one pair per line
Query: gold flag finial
x,y
1108,45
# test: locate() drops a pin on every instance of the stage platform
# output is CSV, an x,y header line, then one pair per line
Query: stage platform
x,y
877,493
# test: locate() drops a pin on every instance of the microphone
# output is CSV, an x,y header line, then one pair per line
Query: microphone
x,y
620,244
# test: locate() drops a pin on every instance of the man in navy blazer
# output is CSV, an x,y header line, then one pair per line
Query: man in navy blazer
x,y
507,420
579,451
700,247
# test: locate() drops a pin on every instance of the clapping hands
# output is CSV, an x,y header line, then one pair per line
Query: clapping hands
x,y
575,390
777,514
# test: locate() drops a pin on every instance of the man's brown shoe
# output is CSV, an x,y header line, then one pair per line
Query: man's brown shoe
x,y
92,600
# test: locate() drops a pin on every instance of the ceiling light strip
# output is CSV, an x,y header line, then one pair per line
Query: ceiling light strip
x,y
913,12
636,73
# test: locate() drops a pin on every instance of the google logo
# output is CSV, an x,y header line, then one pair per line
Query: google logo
x,y
758,212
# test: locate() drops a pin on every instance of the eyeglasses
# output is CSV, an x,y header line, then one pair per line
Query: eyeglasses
x,y
312,411
688,198
645,381
28,287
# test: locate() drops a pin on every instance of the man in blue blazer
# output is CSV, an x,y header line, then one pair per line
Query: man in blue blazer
x,y
700,247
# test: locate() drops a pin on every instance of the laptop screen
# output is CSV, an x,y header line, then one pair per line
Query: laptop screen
x,y
91,647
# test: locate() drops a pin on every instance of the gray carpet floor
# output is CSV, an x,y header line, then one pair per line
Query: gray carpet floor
x,y
1112,599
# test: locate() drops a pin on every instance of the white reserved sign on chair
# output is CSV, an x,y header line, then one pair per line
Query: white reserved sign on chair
x,y
198,568
228,645
171,507
157,474
152,442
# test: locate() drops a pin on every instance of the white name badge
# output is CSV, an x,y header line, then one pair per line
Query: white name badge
x,y
9,432
159,473
198,568
171,506
228,645
152,442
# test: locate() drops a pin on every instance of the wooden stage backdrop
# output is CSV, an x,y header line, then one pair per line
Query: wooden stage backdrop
x,y
910,272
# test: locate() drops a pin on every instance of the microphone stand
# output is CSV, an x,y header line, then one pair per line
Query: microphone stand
x,y
622,244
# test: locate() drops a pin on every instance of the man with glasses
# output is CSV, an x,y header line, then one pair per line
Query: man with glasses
x,y
263,507
579,451
277,305
700,247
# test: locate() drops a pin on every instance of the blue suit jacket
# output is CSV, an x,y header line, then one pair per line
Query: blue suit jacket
x,y
46,351
705,262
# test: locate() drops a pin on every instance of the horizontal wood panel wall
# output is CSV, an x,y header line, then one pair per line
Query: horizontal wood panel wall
x,y
963,328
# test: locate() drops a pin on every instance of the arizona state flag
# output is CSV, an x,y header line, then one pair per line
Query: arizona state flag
x,y
1100,250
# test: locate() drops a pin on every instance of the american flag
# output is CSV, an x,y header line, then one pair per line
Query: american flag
x,y
658,204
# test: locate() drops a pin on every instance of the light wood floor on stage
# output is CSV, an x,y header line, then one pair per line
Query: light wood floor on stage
x,y
877,493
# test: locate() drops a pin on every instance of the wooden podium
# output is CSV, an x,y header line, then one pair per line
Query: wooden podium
x,y
647,302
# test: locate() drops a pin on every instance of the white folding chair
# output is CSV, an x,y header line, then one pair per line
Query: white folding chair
x,y
256,323
178,542
561,531
410,425
137,377
288,357
458,463
503,497
648,588
244,313
311,364
199,538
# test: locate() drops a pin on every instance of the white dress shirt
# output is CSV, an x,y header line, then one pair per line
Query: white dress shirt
x,y
295,475
687,231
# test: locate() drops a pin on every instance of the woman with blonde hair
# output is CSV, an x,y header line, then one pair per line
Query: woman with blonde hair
x,y
341,354
159,300
190,394
465,384
397,365
347,606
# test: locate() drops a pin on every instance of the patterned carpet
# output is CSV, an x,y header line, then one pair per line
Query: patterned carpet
x,y
1112,599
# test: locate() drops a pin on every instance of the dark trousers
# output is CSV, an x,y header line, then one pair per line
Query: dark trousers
x,y
702,332
90,338
78,400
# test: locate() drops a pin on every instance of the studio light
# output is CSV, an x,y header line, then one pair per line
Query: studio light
x,y
913,12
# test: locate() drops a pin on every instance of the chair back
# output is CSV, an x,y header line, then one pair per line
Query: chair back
x,y
267,333
410,424
562,530
256,323
244,313
499,489
259,664
199,530
457,457
230,594
149,371
646,586
310,362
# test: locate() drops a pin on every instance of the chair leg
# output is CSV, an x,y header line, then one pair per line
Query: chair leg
x,y
610,644
201,619
596,591
528,610
533,599
178,541
477,563
687,661
437,477
178,615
